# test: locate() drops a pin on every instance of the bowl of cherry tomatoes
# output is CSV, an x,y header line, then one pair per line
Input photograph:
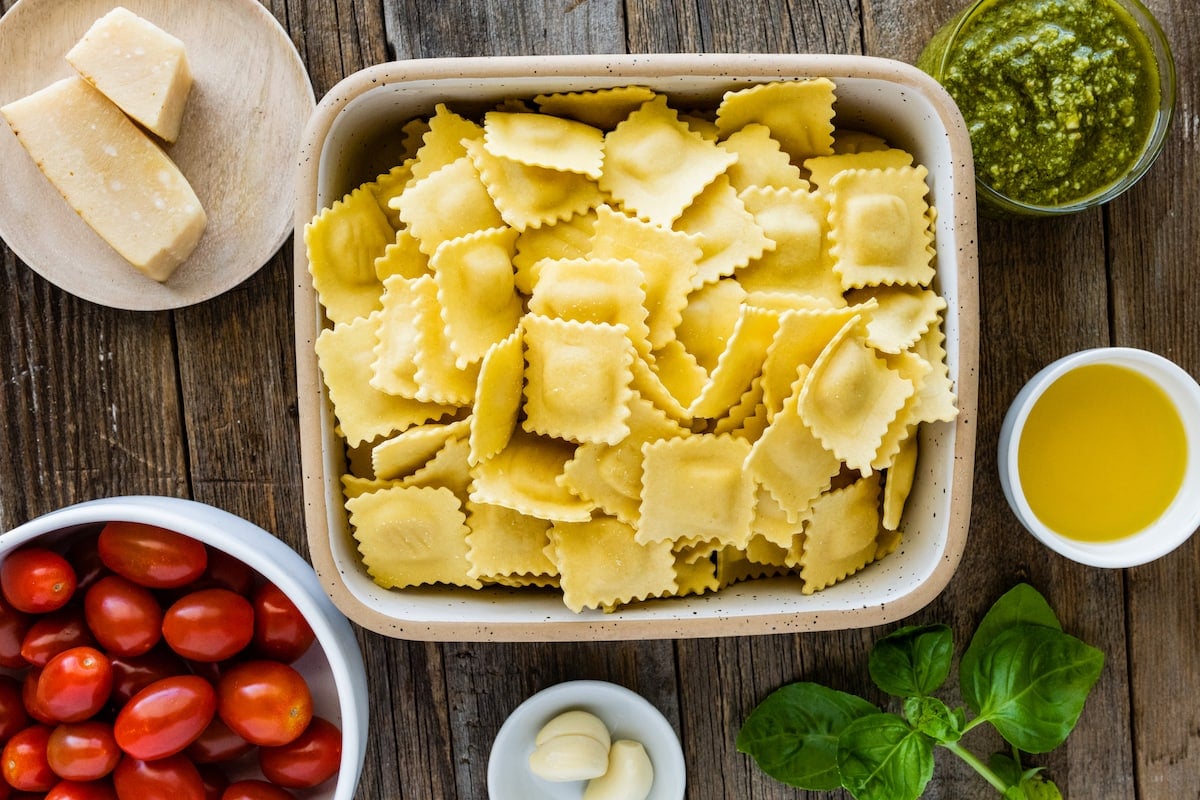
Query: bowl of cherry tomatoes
x,y
156,648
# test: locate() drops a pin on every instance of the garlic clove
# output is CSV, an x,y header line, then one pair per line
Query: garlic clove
x,y
629,775
569,757
580,722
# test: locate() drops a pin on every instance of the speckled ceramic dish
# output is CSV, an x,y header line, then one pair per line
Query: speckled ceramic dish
x,y
353,137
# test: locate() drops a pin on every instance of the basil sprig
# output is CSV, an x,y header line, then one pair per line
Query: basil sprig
x,y
1020,673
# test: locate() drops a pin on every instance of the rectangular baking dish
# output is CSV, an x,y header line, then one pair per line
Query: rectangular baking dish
x,y
352,138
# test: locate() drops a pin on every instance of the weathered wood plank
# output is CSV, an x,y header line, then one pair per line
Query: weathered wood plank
x,y
758,26
90,400
200,402
501,28
1153,237
237,373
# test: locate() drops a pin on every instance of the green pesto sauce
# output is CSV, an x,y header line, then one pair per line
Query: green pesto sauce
x,y
1059,96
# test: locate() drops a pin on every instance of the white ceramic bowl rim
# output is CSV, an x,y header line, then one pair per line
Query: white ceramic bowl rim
x,y
269,556
1182,517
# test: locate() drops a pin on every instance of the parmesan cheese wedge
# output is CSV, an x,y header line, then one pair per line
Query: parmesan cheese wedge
x,y
115,177
137,65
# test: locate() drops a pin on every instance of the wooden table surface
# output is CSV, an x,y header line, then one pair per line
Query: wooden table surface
x,y
201,403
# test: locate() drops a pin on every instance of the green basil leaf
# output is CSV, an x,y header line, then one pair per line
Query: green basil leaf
x,y
913,661
881,757
1031,682
1005,768
1027,784
1020,605
1033,787
793,733
934,718
1038,788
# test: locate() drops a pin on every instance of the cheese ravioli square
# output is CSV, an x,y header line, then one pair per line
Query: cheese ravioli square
x,y
696,488
578,384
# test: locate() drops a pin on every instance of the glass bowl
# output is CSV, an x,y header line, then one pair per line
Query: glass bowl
x,y
1015,41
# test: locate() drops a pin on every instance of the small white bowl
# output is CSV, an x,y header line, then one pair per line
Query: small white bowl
x,y
627,714
1182,516
333,667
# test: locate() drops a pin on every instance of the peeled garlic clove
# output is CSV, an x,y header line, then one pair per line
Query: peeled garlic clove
x,y
569,757
629,776
580,722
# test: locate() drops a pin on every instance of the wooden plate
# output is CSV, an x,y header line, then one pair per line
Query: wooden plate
x,y
241,131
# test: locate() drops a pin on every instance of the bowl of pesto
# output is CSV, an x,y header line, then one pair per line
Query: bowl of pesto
x,y
1067,102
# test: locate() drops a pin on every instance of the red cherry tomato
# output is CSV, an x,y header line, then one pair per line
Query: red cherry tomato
x,y
14,625
227,572
171,778
30,700
264,702
23,760
125,617
165,717
131,674
151,556
82,790
209,625
36,580
75,684
209,670
215,781
53,633
311,758
280,631
13,716
253,789
83,751
218,743
84,555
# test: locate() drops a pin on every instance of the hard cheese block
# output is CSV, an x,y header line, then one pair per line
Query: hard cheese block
x,y
115,177
137,65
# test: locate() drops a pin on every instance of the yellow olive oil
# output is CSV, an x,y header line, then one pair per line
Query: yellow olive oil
x,y
1102,454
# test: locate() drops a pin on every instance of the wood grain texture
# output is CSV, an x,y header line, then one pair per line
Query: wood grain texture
x,y
501,28
200,403
755,26
90,397
1152,238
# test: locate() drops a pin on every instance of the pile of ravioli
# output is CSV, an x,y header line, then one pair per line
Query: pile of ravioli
x,y
596,342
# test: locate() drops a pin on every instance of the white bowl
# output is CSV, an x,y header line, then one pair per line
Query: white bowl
x,y
333,667
627,714
1180,519
352,138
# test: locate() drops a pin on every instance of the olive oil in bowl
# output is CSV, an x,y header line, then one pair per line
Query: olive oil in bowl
x,y
1102,454
1099,456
